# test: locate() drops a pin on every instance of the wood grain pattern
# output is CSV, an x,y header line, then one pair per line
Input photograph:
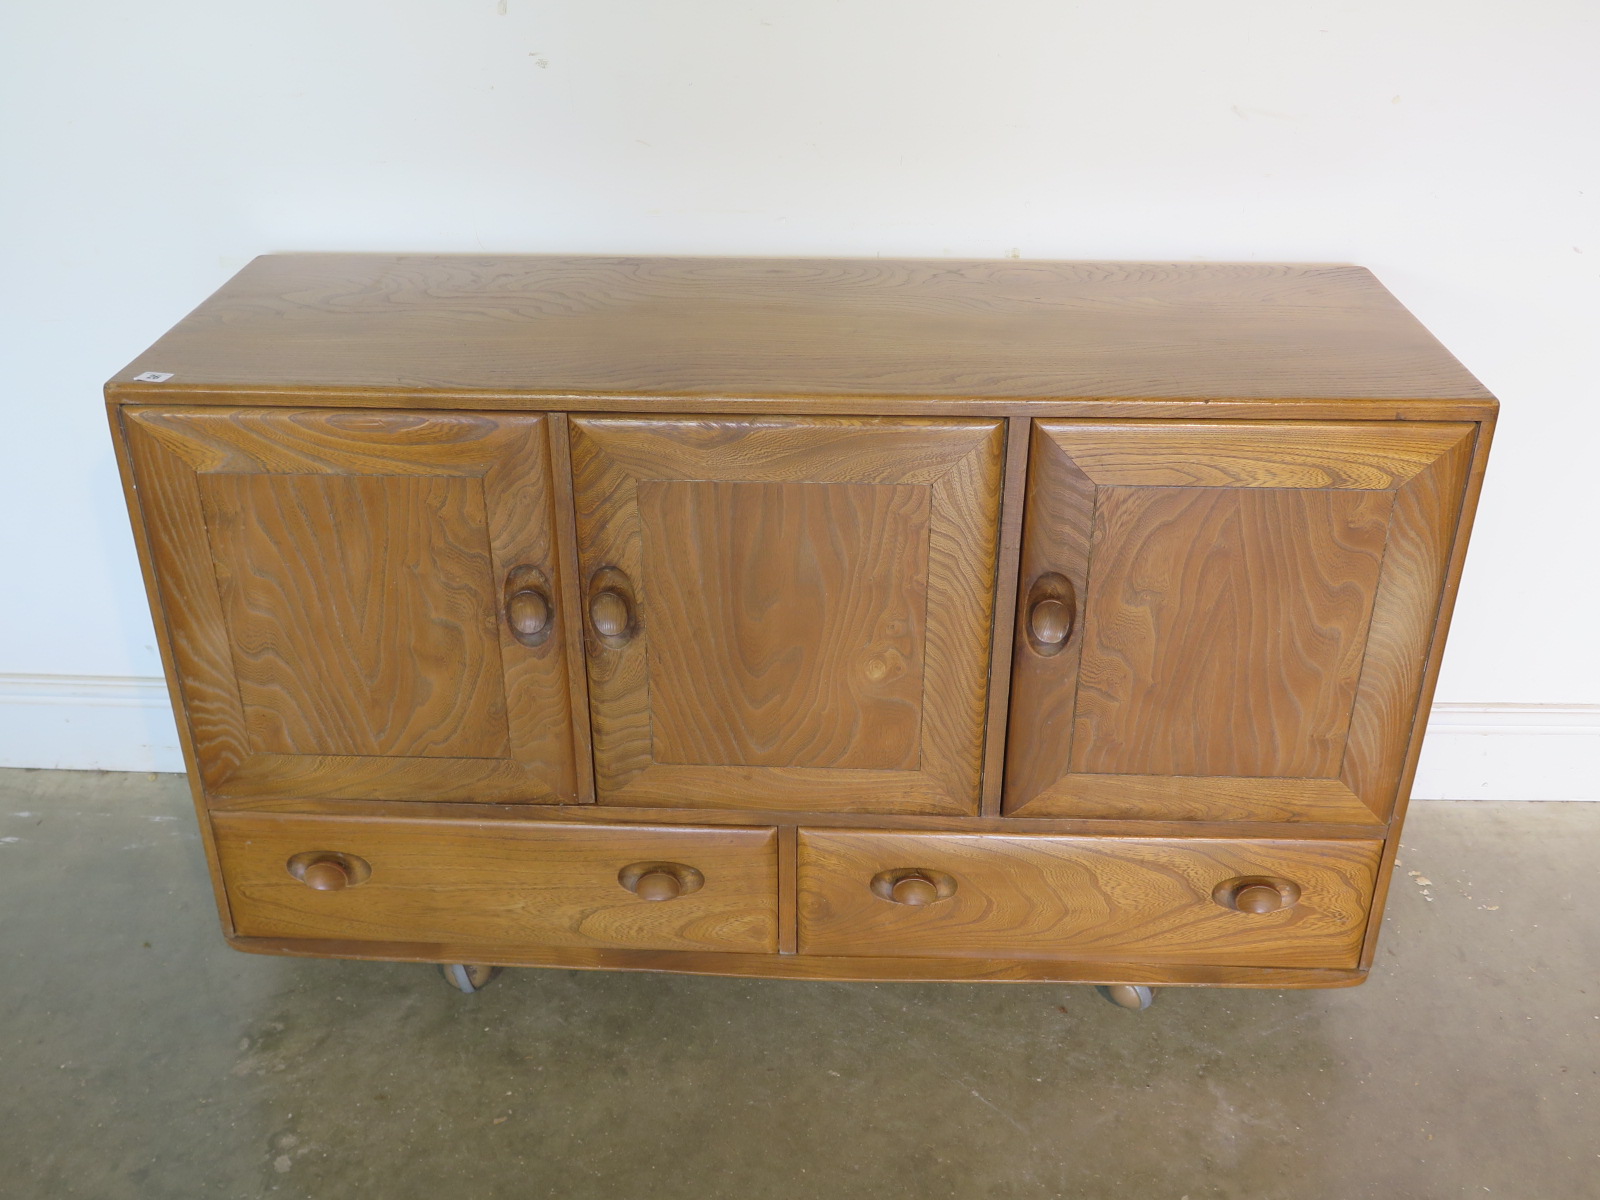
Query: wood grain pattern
x,y
334,582
1216,798
169,668
1104,899
1223,629
788,920
1013,502
570,588
789,622
814,328
331,657
1057,532
1217,451
1405,613
510,885
816,966
1430,677
1331,812
1220,454
877,537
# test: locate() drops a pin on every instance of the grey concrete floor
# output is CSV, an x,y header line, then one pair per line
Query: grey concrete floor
x,y
140,1057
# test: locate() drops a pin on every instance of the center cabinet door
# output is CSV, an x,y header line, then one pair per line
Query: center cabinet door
x,y
788,613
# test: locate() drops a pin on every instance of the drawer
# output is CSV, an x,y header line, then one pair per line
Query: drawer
x,y
1150,899
503,883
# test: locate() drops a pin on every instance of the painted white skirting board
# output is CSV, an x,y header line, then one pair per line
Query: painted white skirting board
x,y
1473,751
87,722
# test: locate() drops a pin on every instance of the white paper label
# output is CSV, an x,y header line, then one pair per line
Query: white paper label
x,y
153,377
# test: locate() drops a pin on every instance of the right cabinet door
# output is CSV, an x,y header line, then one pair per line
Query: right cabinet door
x,y
1227,621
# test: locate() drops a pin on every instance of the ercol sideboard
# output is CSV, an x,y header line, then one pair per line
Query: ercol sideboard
x,y
824,619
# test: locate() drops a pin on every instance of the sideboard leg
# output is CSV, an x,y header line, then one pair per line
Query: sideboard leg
x,y
1129,995
468,977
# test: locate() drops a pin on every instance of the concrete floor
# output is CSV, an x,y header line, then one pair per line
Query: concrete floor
x,y
139,1057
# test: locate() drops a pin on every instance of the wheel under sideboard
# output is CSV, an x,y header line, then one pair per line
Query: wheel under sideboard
x,y
803,618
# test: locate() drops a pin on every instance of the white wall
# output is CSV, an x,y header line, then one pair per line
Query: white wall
x,y
151,149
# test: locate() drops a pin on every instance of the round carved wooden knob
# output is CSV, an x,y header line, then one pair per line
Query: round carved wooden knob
x,y
609,612
660,880
1258,898
1050,621
914,890
1257,894
658,885
326,875
528,613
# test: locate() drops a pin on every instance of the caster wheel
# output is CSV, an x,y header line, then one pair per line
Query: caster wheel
x,y
468,977
1129,995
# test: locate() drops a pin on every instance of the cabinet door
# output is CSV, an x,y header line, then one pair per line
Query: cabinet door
x,y
788,613
1227,621
360,604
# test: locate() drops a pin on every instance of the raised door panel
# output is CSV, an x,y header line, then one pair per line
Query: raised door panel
x,y
339,590
788,613
1246,611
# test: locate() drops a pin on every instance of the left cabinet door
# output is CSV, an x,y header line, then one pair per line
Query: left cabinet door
x,y
360,604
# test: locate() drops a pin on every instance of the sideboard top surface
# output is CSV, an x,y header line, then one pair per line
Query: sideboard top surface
x,y
848,330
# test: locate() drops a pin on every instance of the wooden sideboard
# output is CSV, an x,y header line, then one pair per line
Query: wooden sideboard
x,y
848,619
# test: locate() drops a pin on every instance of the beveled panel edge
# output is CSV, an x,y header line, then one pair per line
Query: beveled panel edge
x,y
1306,455
756,834
169,665
570,602
1466,515
352,776
903,792
1003,619
1123,797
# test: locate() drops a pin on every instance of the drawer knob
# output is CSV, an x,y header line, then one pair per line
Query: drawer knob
x,y
1052,610
1258,898
660,880
1050,622
611,608
329,870
658,885
914,890
326,875
913,886
609,612
528,614
1257,894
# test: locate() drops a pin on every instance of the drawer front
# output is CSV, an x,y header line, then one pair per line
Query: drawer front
x,y
501,883
1146,899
